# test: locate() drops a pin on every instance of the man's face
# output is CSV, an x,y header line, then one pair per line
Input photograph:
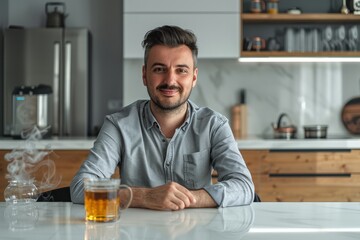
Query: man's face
x,y
169,76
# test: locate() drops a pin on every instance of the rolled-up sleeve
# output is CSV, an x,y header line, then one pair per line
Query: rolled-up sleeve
x,y
101,162
235,186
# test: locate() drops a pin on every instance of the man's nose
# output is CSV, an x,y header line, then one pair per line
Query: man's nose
x,y
170,77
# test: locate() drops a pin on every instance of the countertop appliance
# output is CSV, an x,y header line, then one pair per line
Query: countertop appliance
x,y
284,129
31,108
58,57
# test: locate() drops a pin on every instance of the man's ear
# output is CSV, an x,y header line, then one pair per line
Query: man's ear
x,y
195,77
144,75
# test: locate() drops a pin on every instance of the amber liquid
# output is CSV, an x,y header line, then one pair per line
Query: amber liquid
x,y
102,205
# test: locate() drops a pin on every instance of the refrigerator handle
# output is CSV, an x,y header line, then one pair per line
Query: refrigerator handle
x,y
67,90
56,88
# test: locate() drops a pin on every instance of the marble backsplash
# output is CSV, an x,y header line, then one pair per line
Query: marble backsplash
x,y
310,93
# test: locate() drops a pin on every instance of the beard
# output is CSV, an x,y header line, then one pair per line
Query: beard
x,y
168,105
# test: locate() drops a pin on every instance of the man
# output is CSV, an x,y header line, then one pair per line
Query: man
x,y
167,147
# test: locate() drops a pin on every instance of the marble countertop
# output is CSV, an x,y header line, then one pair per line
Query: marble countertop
x,y
251,142
333,142
264,220
55,143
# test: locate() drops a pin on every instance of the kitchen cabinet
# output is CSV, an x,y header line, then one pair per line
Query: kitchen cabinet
x,y
67,163
215,24
308,29
305,175
171,6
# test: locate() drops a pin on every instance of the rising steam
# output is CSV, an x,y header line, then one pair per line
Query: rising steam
x,y
27,163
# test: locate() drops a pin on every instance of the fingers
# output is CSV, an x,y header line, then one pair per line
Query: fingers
x,y
182,197
187,194
171,196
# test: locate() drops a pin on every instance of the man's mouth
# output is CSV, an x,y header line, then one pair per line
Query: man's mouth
x,y
169,90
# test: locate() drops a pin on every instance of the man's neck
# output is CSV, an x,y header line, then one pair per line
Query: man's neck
x,y
169,120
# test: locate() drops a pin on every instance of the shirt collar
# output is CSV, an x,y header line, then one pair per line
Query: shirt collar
x,y
150,120
148,117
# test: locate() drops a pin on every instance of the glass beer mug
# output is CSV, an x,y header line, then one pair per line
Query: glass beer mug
x,y
104,198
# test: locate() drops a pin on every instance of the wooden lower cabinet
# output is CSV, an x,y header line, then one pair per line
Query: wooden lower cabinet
x,y
305,176
67,163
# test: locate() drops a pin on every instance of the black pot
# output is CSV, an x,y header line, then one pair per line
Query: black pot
x,y
315,131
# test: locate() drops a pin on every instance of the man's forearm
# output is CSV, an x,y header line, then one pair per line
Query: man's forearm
x,y
138,197
203,199
171,196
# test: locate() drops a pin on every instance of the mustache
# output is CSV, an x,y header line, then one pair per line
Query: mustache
x,y
168,87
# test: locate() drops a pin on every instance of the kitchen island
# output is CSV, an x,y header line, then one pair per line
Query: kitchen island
x,y
304,170
283,170
312,221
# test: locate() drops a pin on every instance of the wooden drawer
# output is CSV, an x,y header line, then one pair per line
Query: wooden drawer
x,y
253,159
311,162
285,175
309,188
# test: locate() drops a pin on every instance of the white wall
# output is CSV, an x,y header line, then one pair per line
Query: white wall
x,y
311,93
104,19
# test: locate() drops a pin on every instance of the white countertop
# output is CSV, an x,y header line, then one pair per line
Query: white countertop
x,y
298,144
55,143
296,221
249,143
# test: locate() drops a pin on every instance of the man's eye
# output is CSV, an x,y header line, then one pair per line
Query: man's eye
x,y
182,70
158,69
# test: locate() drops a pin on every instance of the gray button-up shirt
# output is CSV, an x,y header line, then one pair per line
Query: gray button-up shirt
x,y
132,140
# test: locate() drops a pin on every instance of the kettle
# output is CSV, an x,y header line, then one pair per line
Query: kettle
x,y
282,129
56,18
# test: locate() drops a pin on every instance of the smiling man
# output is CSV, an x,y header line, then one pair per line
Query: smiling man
x,y
167,147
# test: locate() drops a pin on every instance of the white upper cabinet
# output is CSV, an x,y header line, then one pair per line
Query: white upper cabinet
x,y
181,6
216,24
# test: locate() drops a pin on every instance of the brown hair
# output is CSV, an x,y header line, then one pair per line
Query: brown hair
x,y
170,36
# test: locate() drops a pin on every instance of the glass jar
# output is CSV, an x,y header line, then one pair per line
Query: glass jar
x,y
257,6
21,191
258,44
272,6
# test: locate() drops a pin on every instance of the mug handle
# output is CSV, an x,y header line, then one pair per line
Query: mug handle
x,y
130,196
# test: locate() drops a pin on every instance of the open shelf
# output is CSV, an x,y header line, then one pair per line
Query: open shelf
x,y
273,26
304,17
298,54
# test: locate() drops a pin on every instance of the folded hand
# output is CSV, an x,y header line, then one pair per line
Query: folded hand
x,y
171,196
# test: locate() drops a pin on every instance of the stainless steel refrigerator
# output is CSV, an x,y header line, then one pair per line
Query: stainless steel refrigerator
x,y
58,57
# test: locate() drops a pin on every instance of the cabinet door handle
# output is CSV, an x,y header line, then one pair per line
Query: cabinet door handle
x,y
306,175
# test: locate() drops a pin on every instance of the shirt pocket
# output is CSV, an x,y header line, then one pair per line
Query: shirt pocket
x,y
197,169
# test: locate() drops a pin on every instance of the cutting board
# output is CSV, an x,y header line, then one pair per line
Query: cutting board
x,y
350,115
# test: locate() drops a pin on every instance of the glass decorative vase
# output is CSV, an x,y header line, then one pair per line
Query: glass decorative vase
x,y
21,191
